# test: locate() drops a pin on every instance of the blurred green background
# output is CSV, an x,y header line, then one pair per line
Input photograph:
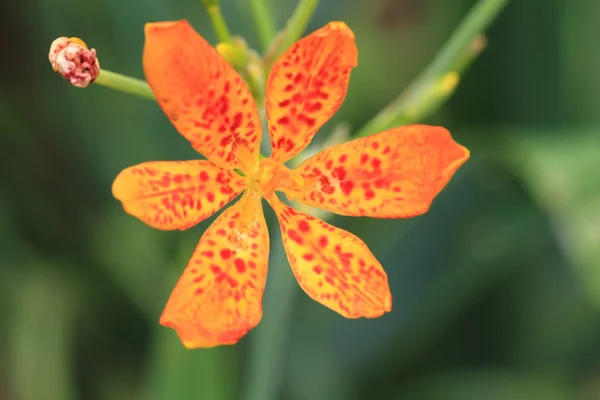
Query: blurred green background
x,y
496,290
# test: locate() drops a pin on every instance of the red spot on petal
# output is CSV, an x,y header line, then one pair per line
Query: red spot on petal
x,y
323,241
343,158
314,107
303,226
225,254
221,232
326,186
293,235
381,183
299,78
204,176
339,173
210,197
308,257
297,98
283,121
318,269
309,121
369,194
226,190
240,265
346,187
178,178
364,158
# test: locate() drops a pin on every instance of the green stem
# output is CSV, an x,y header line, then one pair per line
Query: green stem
x,y
219,24
294,28
263,22
125,84
438,81
268,342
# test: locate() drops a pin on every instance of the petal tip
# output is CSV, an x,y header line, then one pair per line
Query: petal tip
x,y
387,306
379,310
341,27
186,335
194,334
154,27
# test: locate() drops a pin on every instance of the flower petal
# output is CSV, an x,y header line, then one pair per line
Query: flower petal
x,y
393,174
218,299
171,195
203,96
307,85
333,266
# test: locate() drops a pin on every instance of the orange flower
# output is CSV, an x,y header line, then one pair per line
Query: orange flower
x,y
393,174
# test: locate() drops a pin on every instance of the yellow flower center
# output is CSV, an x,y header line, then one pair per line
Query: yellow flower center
x,y
269,176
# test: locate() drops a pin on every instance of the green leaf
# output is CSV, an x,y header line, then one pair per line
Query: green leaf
x,y
559,168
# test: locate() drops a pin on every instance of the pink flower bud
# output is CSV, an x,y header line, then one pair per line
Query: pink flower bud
x,y
71,58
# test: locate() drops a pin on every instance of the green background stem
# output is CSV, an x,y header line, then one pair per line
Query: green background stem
x,y
268,342
294,28
125,84
219,24
263,22
415,103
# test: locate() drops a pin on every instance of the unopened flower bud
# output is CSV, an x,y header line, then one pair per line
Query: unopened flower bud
x,y
236,52
71,58
210,3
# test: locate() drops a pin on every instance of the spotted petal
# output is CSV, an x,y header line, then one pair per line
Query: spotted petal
x,y
333,266
307,85
203,96
171,195
393,174
218,299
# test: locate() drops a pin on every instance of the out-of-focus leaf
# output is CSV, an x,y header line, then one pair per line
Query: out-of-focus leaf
x,y
328,380
485,384
41,332
134,256
560,169
178,373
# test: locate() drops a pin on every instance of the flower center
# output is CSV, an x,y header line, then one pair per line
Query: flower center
x,y
271,176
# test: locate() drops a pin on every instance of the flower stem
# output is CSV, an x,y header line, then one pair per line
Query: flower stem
x,y
438,81
263,22
268,342
125,84
294,28
219,24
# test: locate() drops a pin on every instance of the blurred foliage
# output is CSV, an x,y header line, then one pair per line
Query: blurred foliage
x,y
496,290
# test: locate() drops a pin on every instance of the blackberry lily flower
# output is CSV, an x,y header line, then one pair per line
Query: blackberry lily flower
x,y
392,174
